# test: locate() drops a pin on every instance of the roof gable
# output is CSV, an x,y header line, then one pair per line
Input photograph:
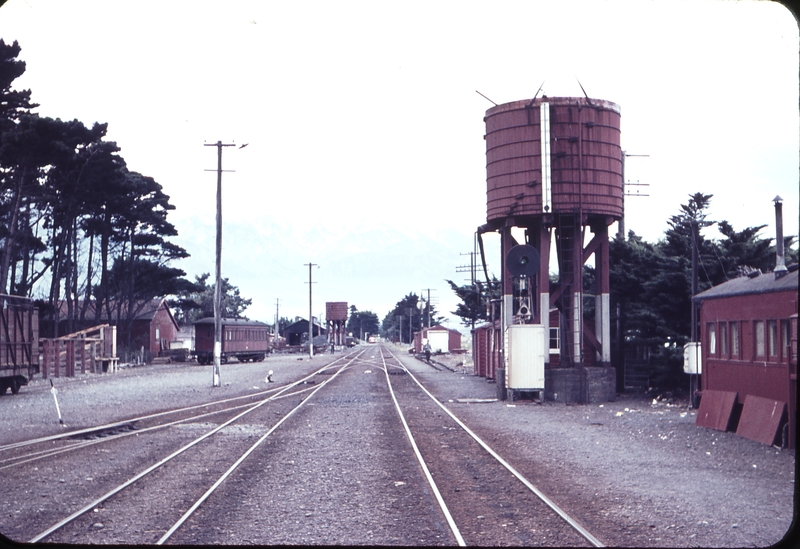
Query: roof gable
x,y
147,312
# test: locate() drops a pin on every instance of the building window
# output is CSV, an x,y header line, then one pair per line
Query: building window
x,y
772,333
712,338
734,339
785,342
723,338
759,329
555,344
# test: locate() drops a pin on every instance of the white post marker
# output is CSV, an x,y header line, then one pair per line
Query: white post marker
x,y
269,377
58,410
217,362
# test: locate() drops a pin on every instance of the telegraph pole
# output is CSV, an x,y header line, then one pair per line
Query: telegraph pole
x,y
218,270
468,268
428,304
400,318
310,317
472,268
277,307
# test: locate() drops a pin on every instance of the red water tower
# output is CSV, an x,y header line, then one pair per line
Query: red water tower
x,y
554,169
336,320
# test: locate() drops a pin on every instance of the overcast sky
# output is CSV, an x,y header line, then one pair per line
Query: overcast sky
x,y
364,116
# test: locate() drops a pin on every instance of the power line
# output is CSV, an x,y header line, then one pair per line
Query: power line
x,y
621,226
469,268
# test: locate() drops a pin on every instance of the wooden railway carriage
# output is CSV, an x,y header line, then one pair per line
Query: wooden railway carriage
x,y
247,340
19,342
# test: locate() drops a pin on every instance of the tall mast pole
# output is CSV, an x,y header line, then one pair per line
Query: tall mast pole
x,y
215,382
310,317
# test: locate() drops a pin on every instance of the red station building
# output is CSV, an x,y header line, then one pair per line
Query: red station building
x,y
748,330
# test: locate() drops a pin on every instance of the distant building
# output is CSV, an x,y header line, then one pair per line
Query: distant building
x,y
152,329
297,333
441,339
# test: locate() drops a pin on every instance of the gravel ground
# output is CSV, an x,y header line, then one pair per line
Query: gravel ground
x,y
653,477
636,472
89,399
338,473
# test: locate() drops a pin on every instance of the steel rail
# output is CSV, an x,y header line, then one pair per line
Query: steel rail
x,y
442,505
244,456
35,456
171,456
106,426
550,503
120,423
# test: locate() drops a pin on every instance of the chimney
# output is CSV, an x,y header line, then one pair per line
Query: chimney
x,y
780,260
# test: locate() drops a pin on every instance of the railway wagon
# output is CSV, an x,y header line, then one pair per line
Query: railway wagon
x,y
19,342
246,340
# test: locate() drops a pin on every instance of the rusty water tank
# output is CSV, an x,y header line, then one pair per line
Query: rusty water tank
x,y
579,168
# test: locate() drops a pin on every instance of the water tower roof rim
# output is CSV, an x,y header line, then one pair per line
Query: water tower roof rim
x,y
526,103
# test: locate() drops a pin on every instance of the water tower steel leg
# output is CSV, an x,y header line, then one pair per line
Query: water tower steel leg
x,y
571,278
603,296
540,236
507,304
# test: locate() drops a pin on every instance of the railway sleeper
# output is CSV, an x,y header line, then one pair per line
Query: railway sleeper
x,y
107,432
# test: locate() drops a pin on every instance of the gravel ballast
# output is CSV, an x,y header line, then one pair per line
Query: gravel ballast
x,y
635,472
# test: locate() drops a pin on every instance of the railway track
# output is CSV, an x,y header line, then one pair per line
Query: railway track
x,y
356,452
47,452
482,492
27,451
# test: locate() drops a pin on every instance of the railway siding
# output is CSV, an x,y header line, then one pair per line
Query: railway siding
x,y
490,506
338,473
637,471
633,472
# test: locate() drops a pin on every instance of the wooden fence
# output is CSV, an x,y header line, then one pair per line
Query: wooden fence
x,y
94,349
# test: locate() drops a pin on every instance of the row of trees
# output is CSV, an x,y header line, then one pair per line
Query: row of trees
x,y
408,317
651,283
196,301
76,225
360,323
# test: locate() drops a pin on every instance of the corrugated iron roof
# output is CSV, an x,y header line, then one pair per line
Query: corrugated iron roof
x,y
744,285
231,321
147,310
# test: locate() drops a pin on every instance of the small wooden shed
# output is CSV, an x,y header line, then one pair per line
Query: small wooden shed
x,y
440,338
297,333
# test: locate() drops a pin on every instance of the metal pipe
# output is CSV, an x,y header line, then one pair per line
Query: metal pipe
x,y
780,259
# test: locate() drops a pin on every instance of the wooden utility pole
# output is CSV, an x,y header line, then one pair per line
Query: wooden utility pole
x,y
428,304
218,270
277,318
310,317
